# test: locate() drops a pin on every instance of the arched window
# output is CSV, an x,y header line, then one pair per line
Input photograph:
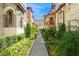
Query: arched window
x,y
51,21
8,21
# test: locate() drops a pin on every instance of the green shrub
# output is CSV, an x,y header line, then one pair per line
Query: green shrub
x,y
20,37
52,46
27,30
3,44
61,31
52,31
34,31
47,33
69,44
18,49
65,44
50,40
43,33
30,30
10,40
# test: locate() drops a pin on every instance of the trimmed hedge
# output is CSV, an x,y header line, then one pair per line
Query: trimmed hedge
x,y
18,49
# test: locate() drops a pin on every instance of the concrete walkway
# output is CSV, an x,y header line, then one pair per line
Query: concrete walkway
x,y
39,48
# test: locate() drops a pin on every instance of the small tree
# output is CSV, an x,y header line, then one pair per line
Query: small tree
x,y
62,30
28,29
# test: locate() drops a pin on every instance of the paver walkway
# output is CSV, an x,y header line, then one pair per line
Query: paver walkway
x,y
39,48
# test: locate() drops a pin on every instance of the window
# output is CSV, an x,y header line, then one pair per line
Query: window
x,y
69,6
8,19
21,24
51,21
61,16
69,3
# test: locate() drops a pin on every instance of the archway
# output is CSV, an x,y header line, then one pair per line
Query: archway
x,y
8,17
51,21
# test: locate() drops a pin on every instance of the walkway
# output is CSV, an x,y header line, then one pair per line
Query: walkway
x,y
39,48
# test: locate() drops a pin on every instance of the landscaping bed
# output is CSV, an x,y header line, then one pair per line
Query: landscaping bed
x,y
61,43
10,40
19,49
16,47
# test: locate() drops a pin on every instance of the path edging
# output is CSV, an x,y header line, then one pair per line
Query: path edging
x,y
30,49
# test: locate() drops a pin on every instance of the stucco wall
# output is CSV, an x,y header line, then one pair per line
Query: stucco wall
x,y
9,31
47,20
72,15
4,31
1,19
19,30
40,24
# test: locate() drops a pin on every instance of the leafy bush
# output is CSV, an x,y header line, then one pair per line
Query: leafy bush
x,y
65,44
69,44
51,31
47,33
51,46
50,40
20,37
30,30
34,31
43,33
61,31
10,40
18,49
3,44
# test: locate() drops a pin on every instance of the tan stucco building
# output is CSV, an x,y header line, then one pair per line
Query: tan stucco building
x,y
40,24
72,16
60,14
49,19
69,14
12,18
29,13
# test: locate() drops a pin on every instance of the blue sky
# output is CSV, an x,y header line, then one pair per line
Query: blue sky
x,y
39,9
